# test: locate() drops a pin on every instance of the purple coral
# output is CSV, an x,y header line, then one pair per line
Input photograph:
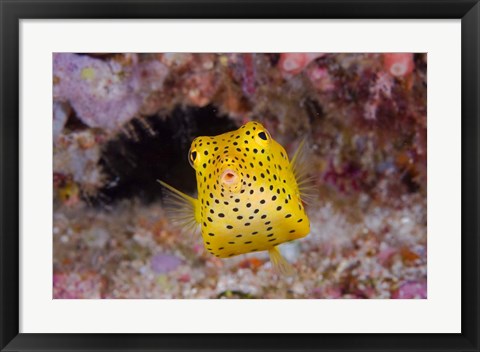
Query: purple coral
x,y
104,94
164,263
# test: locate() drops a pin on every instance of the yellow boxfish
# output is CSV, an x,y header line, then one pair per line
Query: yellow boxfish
x,y
249,194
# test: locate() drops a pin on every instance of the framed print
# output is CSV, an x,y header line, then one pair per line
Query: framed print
x,y
224,175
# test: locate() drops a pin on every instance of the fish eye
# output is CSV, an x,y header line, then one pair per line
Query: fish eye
x,y
262,137
193,156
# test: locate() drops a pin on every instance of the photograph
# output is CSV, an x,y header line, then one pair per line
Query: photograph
x,y
309,169
246,175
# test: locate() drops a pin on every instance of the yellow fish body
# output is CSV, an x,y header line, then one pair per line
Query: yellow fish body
x,y
249,194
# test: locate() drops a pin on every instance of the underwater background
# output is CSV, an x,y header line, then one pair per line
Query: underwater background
x,y
121,121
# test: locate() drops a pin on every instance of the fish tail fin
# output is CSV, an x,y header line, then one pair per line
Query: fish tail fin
x,y
301,167
280,264
180,209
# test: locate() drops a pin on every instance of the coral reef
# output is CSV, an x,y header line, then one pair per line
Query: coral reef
x,y
122,121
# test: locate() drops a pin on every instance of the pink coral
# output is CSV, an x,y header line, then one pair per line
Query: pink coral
x,y
320,78
399,65
294,63
411,290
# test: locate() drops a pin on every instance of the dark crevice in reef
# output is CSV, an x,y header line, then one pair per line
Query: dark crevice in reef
x,y
133,165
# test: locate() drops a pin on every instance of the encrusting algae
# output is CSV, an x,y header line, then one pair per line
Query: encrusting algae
x,y
249,194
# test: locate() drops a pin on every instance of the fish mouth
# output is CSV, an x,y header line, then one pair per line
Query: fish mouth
x,y
229,177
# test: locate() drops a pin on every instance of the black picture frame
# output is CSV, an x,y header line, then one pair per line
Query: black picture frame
x,y
12,11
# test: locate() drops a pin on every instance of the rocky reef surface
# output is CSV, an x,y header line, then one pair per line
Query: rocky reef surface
x,y
122,121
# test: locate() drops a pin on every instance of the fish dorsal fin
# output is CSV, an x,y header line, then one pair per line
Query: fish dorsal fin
x,y
279,263
180,209
301,168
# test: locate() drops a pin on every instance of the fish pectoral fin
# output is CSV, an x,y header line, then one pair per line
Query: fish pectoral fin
x,y
279,263
180,208
301,168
